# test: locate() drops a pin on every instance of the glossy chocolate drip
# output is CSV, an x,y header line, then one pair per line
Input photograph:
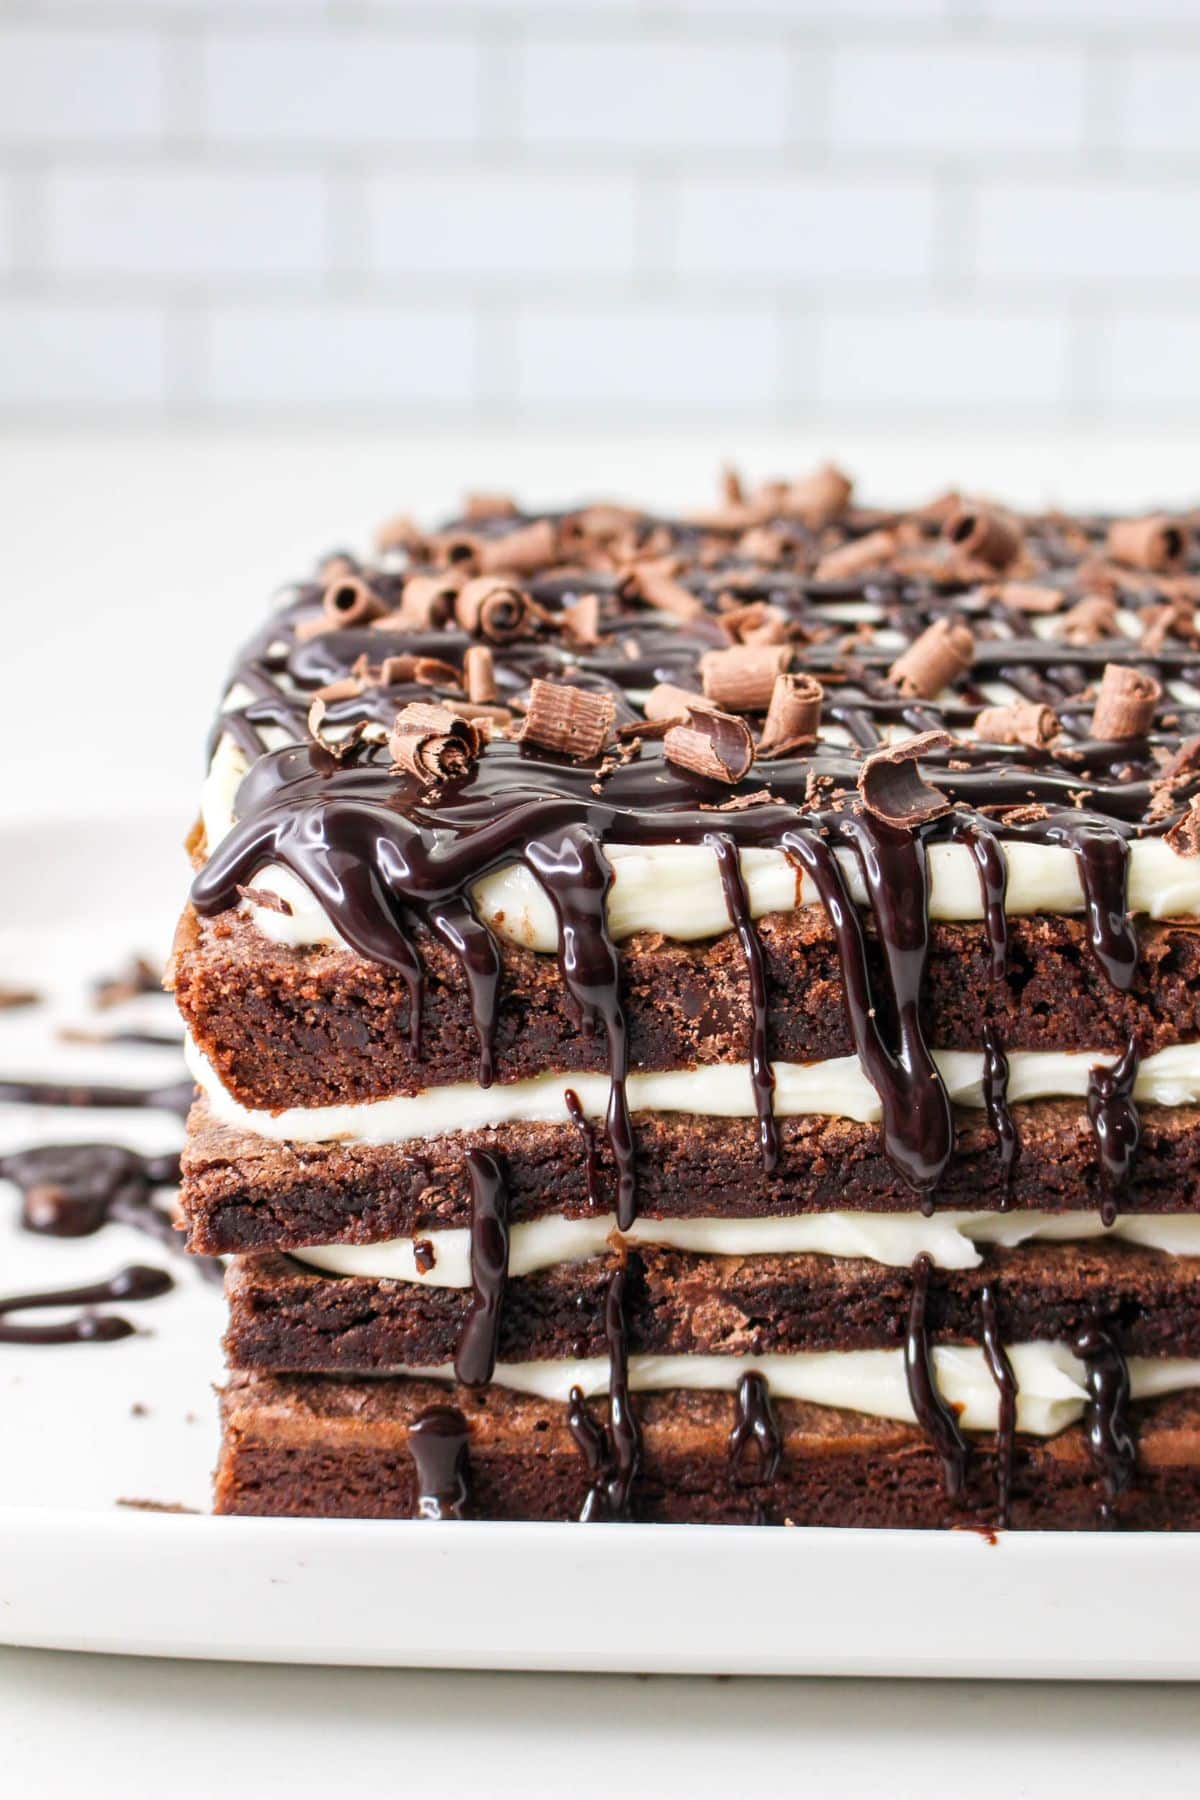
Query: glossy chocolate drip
x,y
993,888
1116,1125
475,1357
999,1116
437,1443
762,1078
933,1415
173,1097
1107,1427
137,1282
582,1124
1002,1373
755,1429
613,1453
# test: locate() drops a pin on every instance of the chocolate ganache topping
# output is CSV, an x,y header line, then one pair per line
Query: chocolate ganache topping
x,y
788,671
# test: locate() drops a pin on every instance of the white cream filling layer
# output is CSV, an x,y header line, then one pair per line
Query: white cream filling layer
x,y
1051,1392
951,1239
835,1088
676,888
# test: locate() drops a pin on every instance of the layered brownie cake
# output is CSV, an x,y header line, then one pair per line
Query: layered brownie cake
x,y
699,1019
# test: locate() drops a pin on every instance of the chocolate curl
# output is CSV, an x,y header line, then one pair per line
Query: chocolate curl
x,y
1020,722
1174,619
580,622
855,558
1089,621
598,524
733,493
394,670
1156,542
933,661
1125,704
484,713
348,688
985,533
666,701
743,679
349,601
757,623
711,743
401,533
817,500
765,544
340,749
522,552
892,786
1026,597
478,508
571,720
1184,836
793,717
656,586
427,601
491,608
434,744
431,671
479,675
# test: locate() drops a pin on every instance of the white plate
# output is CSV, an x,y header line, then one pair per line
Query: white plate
x,y
79,1572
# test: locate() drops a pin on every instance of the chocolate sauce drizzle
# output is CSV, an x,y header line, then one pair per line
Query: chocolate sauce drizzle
x,y
612,1453
172,1096
1001,1370
475,1357
755,1428
999,1117
1107,1427
761,1076
932,1413
582,1124
137,1282
1116,1125
437,1443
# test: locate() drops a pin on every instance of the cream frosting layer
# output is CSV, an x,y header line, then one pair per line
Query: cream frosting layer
x,y
836,1087
1051,1392
951,1239
676,888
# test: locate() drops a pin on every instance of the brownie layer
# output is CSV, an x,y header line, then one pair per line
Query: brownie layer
x,y
314,1027
304,1446
284,1316
244,1193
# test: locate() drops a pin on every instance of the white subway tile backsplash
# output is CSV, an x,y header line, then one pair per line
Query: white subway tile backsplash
x,y
185,222
957,101
1147,364
944,360
335,88
56,356
654,92
670,359
1157,104
794,227
341,359
1086,231
476,224
70,85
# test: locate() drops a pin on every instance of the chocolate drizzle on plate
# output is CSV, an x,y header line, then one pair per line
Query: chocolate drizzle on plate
x,y
437,1442
1107,1427
137,1282
933,1415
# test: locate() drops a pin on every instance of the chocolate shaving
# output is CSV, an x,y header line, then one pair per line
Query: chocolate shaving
x,y
479,675
893,788
755,623
431,671
1184,835
139,976
1019,722
711,743
870,552
433,743
1125,704
348,688
402,533
573,721
1156,542
348,600
491,608
984,533
793,716
580,622
934,660
1026,597
11,998
269,901
1174,619
743,679
666,701
1089,621
655,586
479,508
341,749
817,500
427,602
522,552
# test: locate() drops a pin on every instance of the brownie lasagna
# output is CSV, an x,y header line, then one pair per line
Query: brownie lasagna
x,y
698,1019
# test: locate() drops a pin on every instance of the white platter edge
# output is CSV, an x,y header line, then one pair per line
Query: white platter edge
x,y
667,1599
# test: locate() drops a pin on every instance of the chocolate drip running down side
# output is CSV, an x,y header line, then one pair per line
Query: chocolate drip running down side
x,y
1001,1370
437,1442
762,1079
475,1357
1116,1126
999,1116
137,1282
1110,1438
755,1429
613,1453
383,855
932,1413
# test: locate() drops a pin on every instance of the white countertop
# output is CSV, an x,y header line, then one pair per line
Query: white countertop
x,y
132,565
